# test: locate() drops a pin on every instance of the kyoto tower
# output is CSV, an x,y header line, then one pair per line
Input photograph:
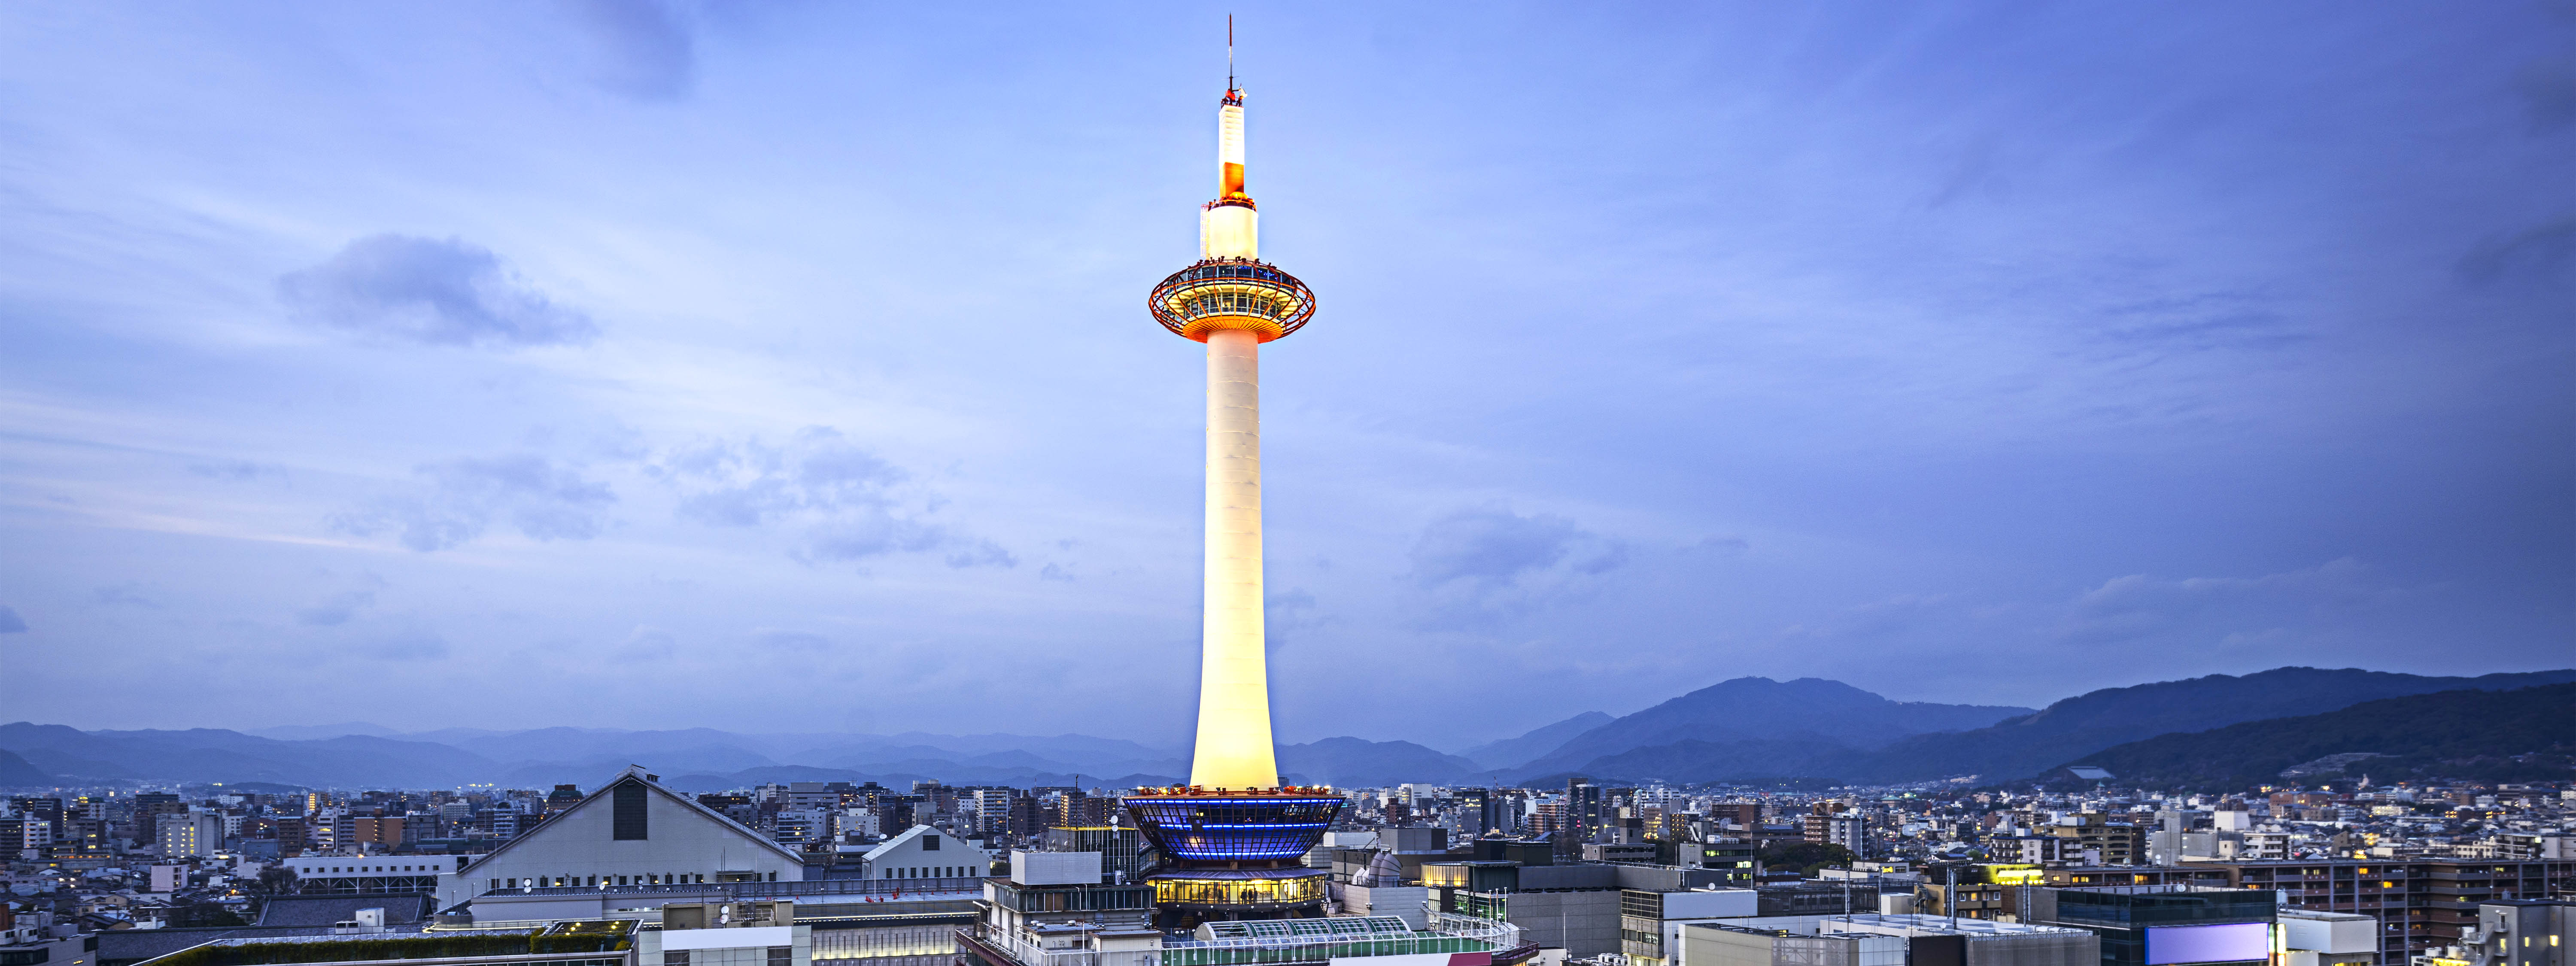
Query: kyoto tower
x,y
1232,840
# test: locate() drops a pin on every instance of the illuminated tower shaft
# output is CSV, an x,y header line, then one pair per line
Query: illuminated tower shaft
x,y
1234,749
1233,846
1233,302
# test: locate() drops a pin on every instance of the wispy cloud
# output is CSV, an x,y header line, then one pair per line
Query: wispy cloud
x,y
464,497
427,290
846,502
1480,563
639,48
336,609
2541,251
790,640
1496,547
2211,608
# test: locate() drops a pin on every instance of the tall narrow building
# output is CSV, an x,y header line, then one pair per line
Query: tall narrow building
x,y
1233,302
1231,841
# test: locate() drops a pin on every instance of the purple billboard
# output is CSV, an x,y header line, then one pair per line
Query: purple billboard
x,y
2230,943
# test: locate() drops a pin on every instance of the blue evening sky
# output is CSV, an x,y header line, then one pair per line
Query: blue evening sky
x,y
783,366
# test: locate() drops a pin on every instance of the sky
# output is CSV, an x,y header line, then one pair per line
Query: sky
x,y
784,367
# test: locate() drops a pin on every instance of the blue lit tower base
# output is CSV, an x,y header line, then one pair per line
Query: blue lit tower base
x,y
1234,854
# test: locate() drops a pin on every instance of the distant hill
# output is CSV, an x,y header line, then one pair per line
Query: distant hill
x,y
2451,734
1513,752
2068,729
1744,729
2026,745
1760,708
54,754
15,772
1357,763
312,732
903,780
1758,758
217,755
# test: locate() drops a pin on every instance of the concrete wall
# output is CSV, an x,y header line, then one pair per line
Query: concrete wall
x,y
1714,947
1403,902
1535,877
2329,932
1583,923
1055,868
1711,904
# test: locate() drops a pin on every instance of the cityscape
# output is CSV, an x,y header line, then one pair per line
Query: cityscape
x,y
1565,745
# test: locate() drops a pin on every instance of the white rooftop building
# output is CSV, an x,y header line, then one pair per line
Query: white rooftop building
x,y
631,832
922,852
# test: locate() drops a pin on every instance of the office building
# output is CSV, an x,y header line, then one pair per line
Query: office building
x,y
2421,904
1875,939
190,834
1651,920
2162,925
2523,932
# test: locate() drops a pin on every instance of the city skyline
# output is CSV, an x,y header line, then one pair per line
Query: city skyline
x,y
534,366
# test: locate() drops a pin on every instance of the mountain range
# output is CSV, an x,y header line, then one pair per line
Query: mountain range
x,y
2527,734
1745,729
2020,746
1811,710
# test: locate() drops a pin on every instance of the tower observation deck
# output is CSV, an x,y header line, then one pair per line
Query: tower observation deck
x,y
1232,841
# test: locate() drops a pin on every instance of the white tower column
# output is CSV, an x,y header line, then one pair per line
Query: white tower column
x,y
1234,743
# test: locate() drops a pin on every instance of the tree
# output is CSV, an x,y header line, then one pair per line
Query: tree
x,y
276,880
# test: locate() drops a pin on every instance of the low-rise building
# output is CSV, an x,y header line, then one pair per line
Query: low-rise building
x,y
631,832
922,852
2311,938
371,874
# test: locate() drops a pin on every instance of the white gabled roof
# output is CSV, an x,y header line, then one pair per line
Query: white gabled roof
x,y
636,774
906,835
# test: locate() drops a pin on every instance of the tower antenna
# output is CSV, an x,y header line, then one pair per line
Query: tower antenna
x,y
1229,53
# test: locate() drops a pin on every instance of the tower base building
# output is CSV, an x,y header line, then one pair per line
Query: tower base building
x,y
1234,854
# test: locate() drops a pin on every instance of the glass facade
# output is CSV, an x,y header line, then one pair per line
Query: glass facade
x,y
884,942
1480,905
1169,891
2123,916
1234,828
